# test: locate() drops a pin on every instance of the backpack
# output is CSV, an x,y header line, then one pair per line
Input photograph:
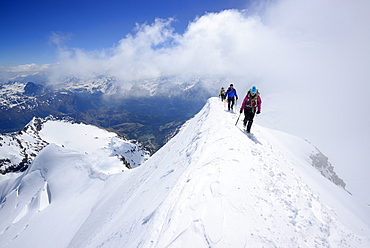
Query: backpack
x,y
250,101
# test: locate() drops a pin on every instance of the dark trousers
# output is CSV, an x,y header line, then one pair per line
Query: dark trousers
x,y
248,118
230,103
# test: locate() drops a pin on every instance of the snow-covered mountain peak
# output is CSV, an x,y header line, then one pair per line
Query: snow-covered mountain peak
x,y
19,149
212,185
96,142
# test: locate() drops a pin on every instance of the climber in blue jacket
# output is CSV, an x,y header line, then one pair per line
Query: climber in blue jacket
x,y
231,95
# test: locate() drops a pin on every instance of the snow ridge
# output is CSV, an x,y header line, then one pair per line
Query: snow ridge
x,y
212,185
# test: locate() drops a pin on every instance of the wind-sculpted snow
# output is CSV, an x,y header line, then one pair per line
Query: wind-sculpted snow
x,y
212,185
65,175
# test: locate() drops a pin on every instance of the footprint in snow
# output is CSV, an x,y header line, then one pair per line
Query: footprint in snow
x,y
215,189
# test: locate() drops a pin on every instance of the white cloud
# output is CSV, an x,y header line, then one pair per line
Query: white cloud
x,y
59,38
289,42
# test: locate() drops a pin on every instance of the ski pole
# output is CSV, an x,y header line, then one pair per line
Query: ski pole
x,y
238,119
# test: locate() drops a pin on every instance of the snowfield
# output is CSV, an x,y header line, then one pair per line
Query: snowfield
x,y
212,185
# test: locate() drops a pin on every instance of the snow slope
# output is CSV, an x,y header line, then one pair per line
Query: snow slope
x,y
57,191
210,186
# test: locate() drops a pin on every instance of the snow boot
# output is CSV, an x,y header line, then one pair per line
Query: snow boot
x,y
249,126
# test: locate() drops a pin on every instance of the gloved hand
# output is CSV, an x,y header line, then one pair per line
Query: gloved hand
x,y
236,98
258,112
241,110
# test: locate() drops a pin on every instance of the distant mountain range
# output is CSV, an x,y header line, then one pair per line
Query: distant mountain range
x,y
150,111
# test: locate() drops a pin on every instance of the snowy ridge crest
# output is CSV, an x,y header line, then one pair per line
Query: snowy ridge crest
x,y
212,185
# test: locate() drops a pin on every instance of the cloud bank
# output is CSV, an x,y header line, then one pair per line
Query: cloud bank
x,y
226,44
289,43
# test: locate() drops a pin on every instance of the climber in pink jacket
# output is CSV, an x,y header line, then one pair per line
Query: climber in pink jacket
x,y
251,105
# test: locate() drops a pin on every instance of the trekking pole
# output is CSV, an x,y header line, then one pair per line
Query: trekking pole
x,y
238,119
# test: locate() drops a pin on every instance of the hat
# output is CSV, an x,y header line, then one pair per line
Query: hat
x,y
231,85
253,90
222,88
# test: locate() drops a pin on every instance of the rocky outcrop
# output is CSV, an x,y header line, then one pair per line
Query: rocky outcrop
x,y
322,164
19,149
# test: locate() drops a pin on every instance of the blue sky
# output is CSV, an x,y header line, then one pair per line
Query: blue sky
x,y
27,25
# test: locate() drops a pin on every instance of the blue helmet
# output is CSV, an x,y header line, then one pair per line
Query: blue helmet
x,y
254,90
